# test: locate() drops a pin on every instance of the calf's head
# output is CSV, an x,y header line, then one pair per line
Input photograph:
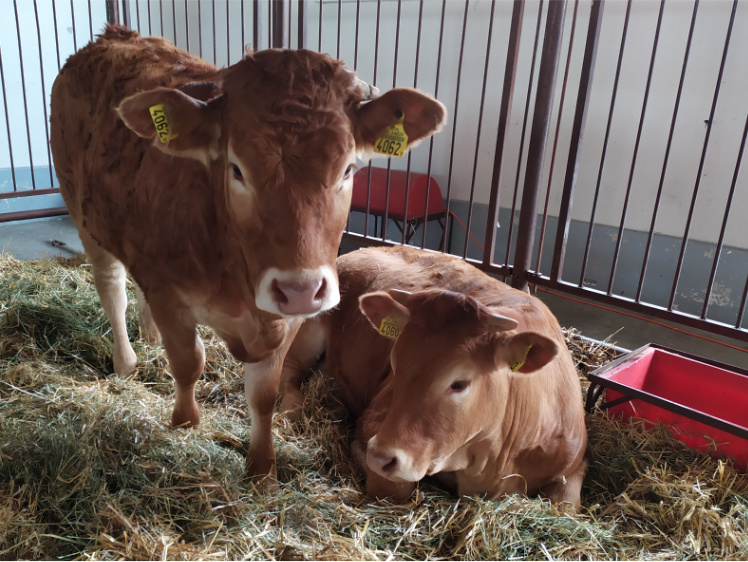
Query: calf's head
x,y
453,362
280,134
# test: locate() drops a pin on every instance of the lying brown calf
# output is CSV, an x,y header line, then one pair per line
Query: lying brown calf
x,y
471,380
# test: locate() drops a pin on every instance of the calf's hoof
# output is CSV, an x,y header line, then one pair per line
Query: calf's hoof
x,y
260,466
185,416
292,406
262,474
125,361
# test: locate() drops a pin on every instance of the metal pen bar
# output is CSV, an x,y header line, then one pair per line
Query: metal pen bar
x,y
72,16
655,311
215,43
575,142
7,124
90,21
428,166
510,72
303,7
525,118
561,105
666,158
44,96
702,160
200,28
257,25
57,35
319,26
148,5
455,120
598,182
650,72
23,90
480,122
244,42
34,214
723,229
187,25
431,140
340,20
554,27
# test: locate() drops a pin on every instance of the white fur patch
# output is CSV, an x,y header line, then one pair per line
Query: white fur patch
x,y
265,300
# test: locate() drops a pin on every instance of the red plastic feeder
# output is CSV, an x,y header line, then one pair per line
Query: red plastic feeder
x,y
702,402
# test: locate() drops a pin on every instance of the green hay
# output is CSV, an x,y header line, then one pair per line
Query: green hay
x,y
89,468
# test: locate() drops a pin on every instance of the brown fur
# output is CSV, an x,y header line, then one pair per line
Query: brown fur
x,y
510,432
254,183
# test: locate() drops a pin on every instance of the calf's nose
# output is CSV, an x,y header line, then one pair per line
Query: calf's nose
x,y
304,296
384,463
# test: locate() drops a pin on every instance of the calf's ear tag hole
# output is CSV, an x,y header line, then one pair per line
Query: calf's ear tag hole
x,y
517,365
389,327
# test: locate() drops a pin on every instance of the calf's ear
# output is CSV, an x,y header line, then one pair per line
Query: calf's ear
x,y
179,124
421,116
525,352
387,315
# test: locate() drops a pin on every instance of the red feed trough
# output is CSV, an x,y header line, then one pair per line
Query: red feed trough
x,y
702,402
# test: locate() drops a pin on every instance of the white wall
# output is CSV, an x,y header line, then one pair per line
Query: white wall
x,y
455,163
37,67
689,134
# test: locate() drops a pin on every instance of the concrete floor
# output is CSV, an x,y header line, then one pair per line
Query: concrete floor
x,y
45,238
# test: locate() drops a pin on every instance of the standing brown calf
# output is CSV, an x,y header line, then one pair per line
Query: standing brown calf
x,y
471,382
223,192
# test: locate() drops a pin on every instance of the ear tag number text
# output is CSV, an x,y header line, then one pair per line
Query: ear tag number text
x,y
389,327
394,140
161,122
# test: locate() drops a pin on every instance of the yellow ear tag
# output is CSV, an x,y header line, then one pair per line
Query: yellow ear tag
x,y
394,141
390,327
517,365
161,122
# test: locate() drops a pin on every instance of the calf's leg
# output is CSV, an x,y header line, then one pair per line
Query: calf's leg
x,y
261,384
261,381
186,354
110,278
305,351
570,490
151,333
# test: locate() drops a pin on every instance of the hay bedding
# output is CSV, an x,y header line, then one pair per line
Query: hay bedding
x,y
89,468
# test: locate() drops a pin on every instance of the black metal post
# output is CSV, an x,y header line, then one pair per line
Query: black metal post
x,y
554,27
278,11
112,11
580,116
506,104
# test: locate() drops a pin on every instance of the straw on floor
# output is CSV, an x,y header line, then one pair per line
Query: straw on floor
x,y
89,468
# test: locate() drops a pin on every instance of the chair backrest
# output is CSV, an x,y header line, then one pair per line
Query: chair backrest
x,y
417,186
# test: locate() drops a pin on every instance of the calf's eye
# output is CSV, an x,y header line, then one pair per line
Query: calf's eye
x,y
459,386
237,172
